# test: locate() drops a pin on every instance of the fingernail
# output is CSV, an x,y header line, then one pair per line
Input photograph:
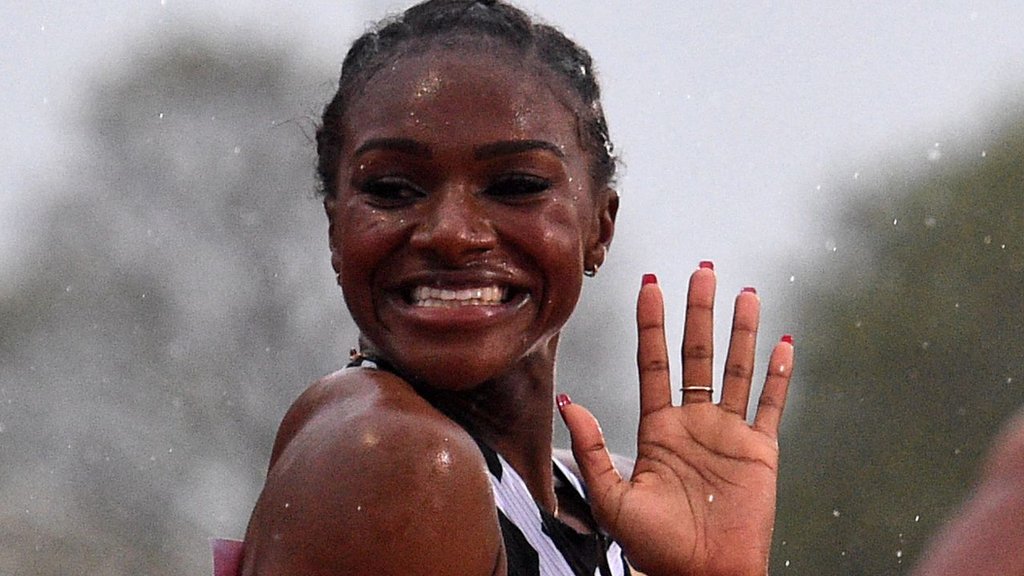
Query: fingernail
x,y
707,264
649,279
787,338
563,400
750,289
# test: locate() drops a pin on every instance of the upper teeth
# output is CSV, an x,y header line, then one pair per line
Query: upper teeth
x,y
483,296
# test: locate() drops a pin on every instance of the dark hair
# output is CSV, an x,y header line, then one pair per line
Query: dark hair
x,y
492,19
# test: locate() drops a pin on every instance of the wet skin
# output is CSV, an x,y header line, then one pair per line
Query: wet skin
x,y
464,174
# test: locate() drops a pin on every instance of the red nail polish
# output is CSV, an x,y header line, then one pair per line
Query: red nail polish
x,y
563,400
787,338
750,289
707,264
649,279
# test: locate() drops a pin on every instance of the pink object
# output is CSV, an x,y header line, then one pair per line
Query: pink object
x,y
227,556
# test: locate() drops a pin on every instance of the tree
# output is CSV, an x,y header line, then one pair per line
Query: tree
x,y
179,306
911,357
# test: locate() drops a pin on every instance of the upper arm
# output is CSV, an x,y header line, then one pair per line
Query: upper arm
x,y
376,482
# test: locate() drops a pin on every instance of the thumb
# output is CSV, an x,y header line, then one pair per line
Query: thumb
x,y
604,483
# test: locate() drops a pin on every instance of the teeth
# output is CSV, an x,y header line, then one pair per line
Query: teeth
x,y
443,298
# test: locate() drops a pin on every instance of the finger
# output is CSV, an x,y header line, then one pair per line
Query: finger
x,y
604,483
776,386
739,361
698,336
651,351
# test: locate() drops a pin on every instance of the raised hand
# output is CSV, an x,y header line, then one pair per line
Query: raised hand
x,y
701,499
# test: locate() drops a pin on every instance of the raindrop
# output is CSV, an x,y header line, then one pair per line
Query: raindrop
x,y
917,518
984,153
787,563
792,278
711,497
237,149
856,175
987,240
1009,380
830,245
858,324
899,553
835,514
895,221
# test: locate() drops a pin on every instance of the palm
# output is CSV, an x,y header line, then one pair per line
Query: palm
x,y
701,499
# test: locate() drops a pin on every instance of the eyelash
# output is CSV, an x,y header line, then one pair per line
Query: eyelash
x,y
390,192
394,192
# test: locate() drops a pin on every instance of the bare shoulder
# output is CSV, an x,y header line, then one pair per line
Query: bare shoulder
x,y
367,477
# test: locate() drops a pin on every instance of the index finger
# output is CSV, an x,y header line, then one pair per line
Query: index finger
x,y
651,350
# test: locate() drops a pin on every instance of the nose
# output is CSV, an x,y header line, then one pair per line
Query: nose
x,y
454,227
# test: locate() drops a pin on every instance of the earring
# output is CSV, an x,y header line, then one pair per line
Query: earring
x,y
591,271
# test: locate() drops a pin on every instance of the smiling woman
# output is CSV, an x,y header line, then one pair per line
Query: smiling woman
x,y
467,181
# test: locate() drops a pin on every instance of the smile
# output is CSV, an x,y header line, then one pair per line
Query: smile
x,y
428,297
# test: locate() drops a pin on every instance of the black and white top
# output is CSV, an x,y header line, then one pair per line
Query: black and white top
x,y
536,542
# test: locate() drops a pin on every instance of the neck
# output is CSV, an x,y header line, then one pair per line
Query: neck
x,y
513,415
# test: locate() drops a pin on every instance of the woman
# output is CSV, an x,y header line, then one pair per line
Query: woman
x,y
467,176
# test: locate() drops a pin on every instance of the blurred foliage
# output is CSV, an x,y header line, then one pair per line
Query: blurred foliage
x,y
911,356
181,297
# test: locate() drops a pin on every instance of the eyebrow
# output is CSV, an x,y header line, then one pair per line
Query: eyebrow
x,y
515,147
484,152
405,145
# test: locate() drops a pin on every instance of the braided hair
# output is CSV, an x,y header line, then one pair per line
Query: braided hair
x,y
491,19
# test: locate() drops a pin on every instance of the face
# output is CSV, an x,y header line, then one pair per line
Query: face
x,y
465,216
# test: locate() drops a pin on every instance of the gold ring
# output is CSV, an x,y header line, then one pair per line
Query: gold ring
x,y
697,389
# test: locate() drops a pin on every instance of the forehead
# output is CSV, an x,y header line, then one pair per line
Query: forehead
x,y
462,94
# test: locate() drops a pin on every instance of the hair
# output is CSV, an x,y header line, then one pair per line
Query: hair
x,y
447,19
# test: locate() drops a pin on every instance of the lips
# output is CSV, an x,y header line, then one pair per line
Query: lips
x,y
432,297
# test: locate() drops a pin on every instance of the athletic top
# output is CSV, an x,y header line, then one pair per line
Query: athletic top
x,y
536,542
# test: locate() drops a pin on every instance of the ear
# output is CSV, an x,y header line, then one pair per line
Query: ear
x,y
606,207
330,204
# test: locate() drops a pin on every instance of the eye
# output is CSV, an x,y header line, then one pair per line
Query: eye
x,y
517,187
390,192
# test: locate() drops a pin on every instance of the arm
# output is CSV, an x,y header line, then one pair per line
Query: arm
x,y
367,478
986,537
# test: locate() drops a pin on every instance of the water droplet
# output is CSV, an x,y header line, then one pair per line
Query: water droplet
x,y
895,221
899,553
835,514
917,518
787,563
161,116
856,175
792,278
711,497
287,504
984,153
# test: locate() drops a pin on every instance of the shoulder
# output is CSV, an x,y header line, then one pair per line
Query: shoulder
x,y
367,477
